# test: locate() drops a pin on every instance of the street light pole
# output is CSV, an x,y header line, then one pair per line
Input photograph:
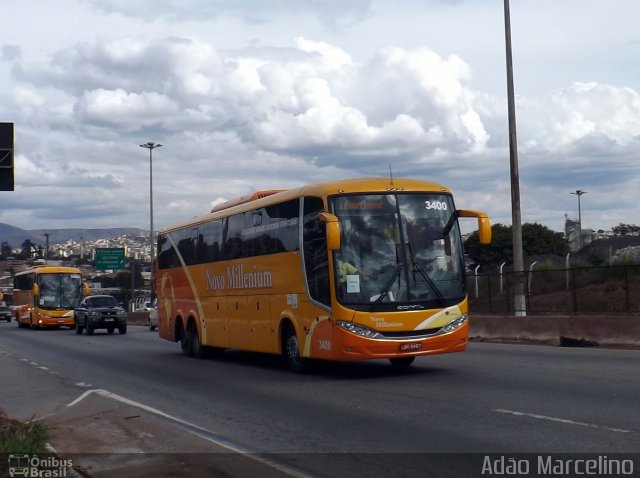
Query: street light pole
x,y
579,192
151,146
520,304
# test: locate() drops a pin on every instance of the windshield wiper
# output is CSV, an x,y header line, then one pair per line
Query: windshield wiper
x,y
385,290
429,280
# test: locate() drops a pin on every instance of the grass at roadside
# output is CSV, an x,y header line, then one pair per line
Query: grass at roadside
x,y
19,437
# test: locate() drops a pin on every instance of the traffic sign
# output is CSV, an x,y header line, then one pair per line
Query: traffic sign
x,y
110,258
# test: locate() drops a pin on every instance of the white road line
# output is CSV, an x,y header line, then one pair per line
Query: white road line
x,y
43,368
195,429
562,420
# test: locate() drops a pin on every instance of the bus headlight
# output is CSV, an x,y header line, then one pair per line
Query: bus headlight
x,y
358,329
93,313
122,312
454,324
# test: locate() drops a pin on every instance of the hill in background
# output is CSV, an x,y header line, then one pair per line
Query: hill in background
x,y
16,236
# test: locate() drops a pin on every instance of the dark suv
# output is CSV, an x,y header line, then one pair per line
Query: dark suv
x,y
100,312
5,313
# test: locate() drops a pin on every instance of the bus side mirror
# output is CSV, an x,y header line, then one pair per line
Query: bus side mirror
x,y
333,230
484,225
36,290
85,289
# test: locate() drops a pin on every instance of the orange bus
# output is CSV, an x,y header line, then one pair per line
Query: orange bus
x,y
344,270
46,296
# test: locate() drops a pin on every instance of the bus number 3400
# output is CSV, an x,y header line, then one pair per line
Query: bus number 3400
x,y
439,205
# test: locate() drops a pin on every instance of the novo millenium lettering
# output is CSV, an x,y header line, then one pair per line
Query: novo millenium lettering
x,y
239,278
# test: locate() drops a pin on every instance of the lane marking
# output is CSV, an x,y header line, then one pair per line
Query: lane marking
x,y
562,420
196,430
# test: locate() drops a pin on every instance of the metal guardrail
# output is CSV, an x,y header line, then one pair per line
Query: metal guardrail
x,y
584,290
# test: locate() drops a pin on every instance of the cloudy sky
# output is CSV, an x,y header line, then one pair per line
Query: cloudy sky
x,y
250,95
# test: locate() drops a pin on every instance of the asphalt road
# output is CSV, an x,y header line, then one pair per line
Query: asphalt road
x,y
355,419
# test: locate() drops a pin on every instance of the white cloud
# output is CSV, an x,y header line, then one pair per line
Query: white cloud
x,y
332,56
269,96
119,109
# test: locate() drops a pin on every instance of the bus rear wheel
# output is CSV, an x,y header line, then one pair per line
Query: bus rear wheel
x,y
185,342
402,361
197,350
291,350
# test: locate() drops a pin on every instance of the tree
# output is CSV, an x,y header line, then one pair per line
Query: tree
x,y
536,240
625,229
28,250
5,250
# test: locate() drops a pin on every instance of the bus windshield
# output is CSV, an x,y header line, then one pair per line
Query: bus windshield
x,y
398,252
59,291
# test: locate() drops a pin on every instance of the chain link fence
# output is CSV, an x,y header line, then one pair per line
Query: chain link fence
x,y
584,290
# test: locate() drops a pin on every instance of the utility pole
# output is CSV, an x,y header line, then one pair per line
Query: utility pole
x,y
520,304
46,252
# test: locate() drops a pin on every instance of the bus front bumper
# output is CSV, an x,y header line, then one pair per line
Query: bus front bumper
x,y
49,321
348,346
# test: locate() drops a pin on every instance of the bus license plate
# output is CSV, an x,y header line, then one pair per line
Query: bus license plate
x,y
410,347
109,319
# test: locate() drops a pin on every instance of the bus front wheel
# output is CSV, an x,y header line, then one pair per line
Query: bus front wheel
x,y
291,350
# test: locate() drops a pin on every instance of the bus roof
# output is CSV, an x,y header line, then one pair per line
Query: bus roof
x,y
48,269
324,189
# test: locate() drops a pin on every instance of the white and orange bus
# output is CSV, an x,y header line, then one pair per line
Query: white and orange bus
x,y
45,296
343,270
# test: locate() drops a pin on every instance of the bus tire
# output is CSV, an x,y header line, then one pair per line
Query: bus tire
x,y
291,349
185,342
78,329
197,350
402,361
89,327
122,329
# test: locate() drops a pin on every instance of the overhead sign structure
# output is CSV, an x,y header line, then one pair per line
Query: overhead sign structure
x,y
110,258
6,157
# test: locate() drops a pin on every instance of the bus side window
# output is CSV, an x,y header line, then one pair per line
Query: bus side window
x,y
233,246
315,251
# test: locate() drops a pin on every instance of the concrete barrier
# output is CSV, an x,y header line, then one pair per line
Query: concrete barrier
x,y
606,330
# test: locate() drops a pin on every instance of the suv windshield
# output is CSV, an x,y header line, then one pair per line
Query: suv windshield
x,y
59,291
398,252
102,302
